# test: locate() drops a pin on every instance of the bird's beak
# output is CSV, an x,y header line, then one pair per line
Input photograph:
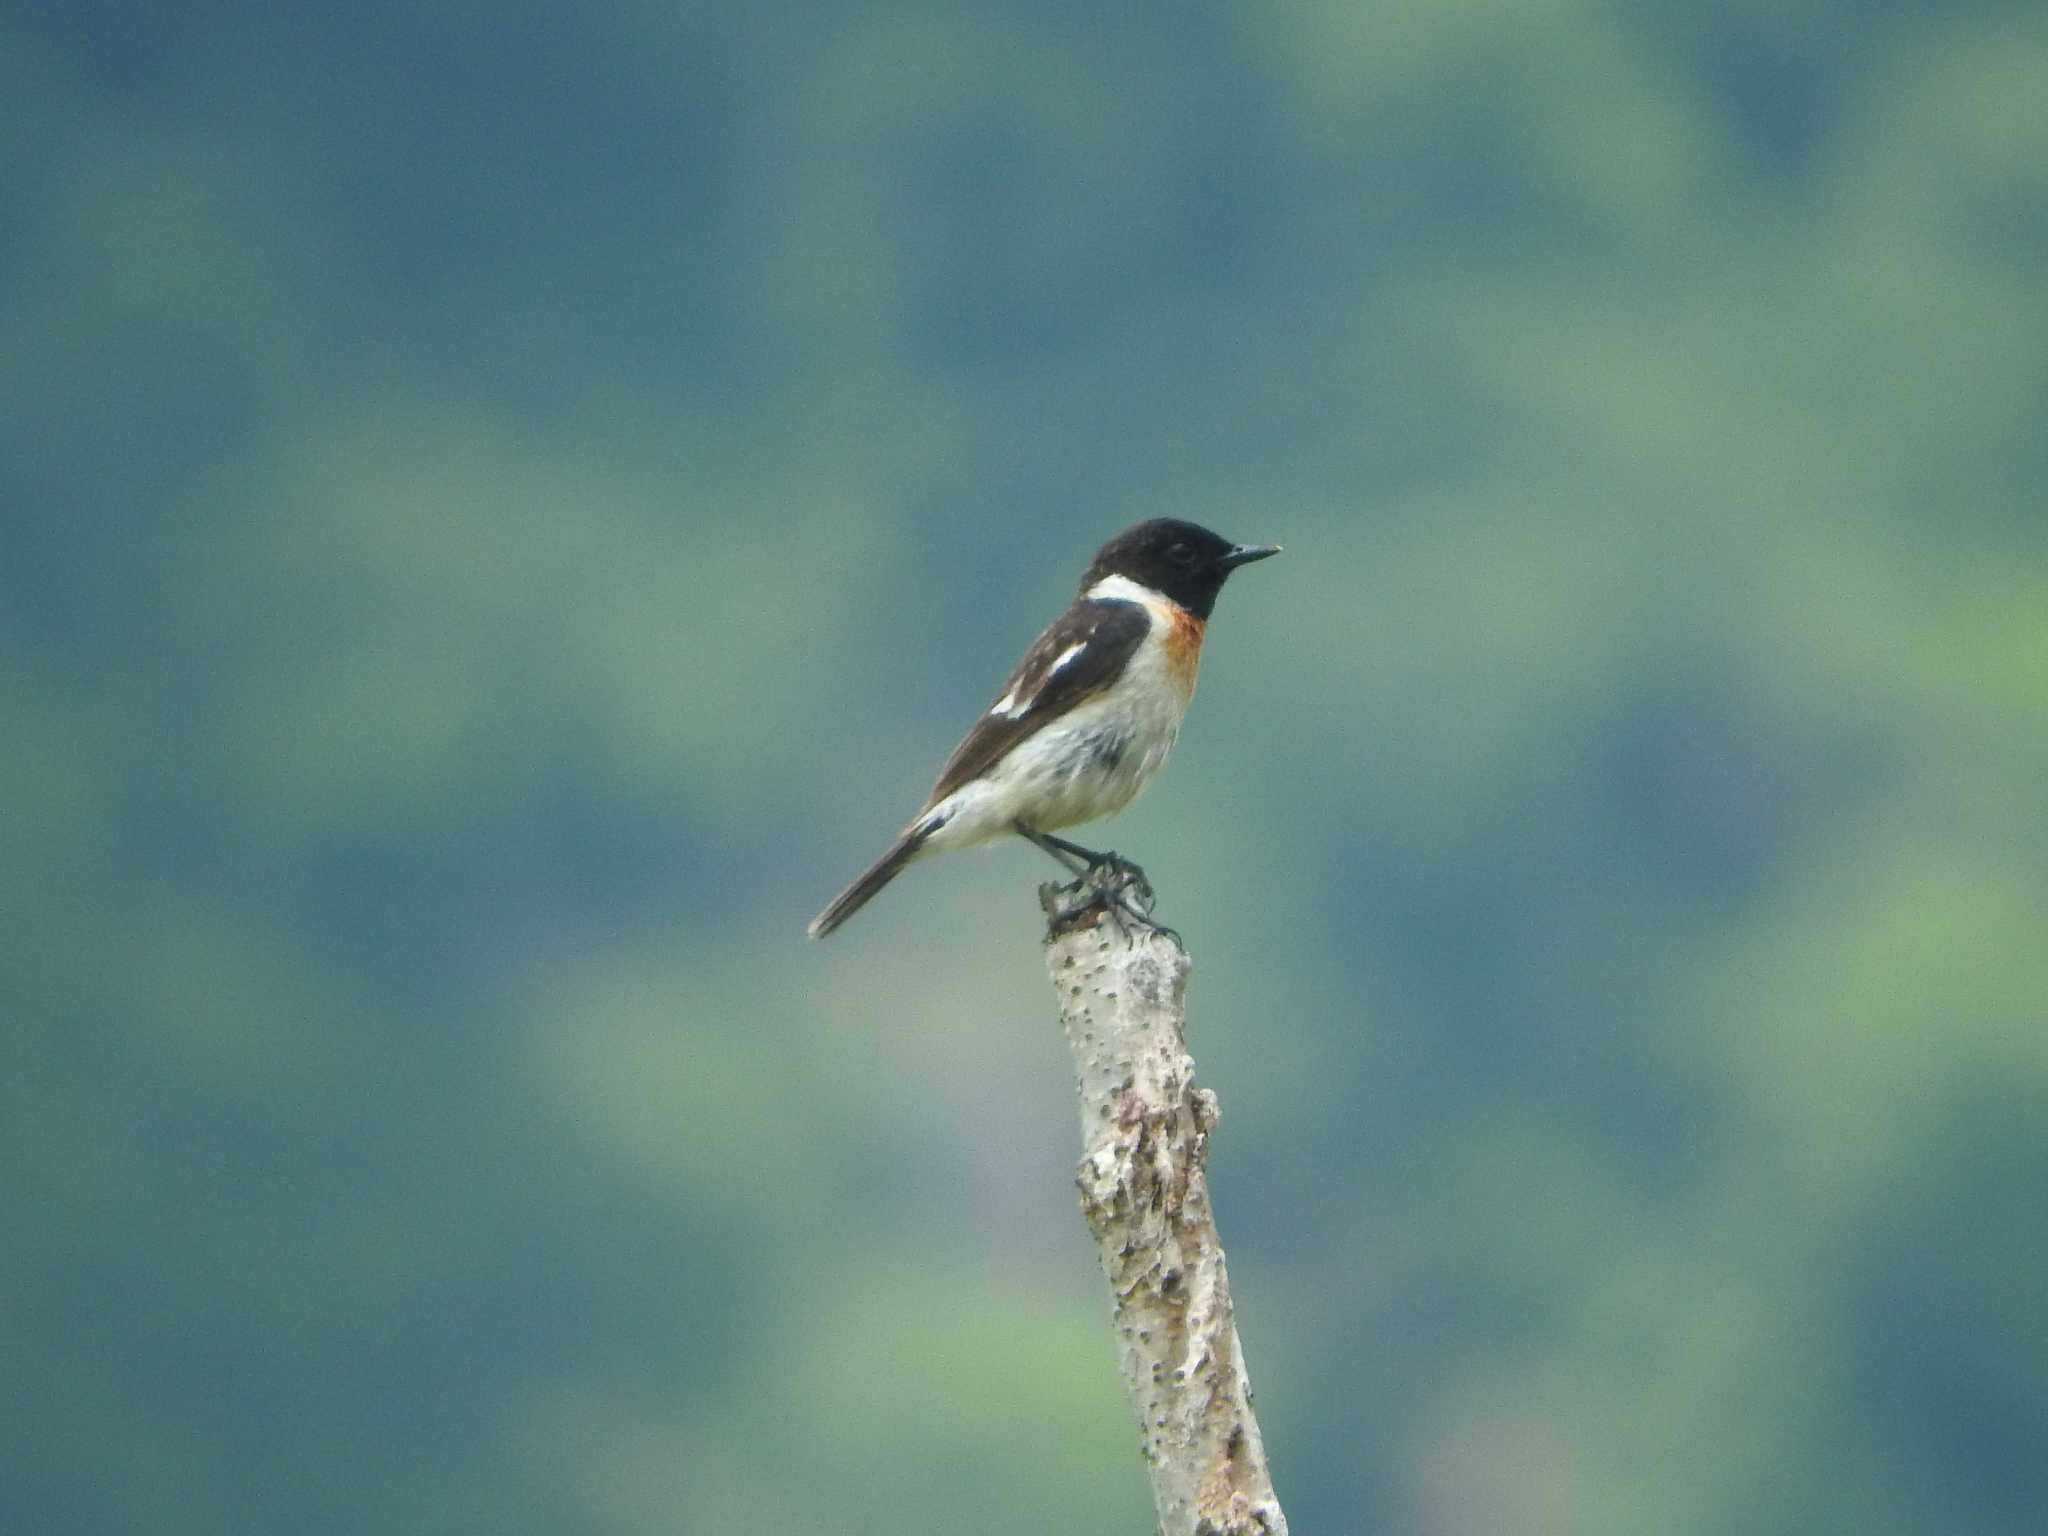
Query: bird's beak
x,y
1245,554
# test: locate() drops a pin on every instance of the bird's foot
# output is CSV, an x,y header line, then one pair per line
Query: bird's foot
x,y
1112,872
1128,899
1106,880
1114,887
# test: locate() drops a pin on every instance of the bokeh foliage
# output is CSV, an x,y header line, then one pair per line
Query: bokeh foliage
x,y
506,506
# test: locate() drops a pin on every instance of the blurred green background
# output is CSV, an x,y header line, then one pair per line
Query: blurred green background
x,y
507,507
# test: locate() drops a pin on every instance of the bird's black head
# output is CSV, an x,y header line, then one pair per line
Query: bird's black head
x,y
1180,560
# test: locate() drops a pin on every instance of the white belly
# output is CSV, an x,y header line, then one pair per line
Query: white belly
x,y
1092,762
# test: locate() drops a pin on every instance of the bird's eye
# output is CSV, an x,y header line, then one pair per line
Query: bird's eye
x,y
1181,552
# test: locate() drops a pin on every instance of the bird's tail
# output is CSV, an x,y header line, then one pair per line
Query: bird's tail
x,y
871,880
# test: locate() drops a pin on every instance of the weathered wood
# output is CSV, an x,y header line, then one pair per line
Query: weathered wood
x,y
1145,1130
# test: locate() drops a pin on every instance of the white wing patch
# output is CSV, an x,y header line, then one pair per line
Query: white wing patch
x,y
1064,657
1011,706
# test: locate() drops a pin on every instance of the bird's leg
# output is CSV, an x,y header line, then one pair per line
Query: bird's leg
x,y
1117,865
1120,883
1074,860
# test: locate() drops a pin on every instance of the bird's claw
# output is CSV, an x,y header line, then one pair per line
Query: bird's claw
x,y
1126,895
1113,873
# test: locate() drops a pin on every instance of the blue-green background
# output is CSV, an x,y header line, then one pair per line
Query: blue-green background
x,y
506,507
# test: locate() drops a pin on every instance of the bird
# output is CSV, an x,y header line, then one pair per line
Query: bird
x,y
1088,717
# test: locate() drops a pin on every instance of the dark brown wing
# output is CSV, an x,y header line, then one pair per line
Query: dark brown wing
x,y
1081,653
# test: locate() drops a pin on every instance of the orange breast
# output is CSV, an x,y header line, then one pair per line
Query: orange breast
x,y
1183,645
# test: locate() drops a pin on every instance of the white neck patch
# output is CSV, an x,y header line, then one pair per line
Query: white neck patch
x,y
1122,589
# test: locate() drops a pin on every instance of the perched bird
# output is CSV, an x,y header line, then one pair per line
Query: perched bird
x,y
1089,715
